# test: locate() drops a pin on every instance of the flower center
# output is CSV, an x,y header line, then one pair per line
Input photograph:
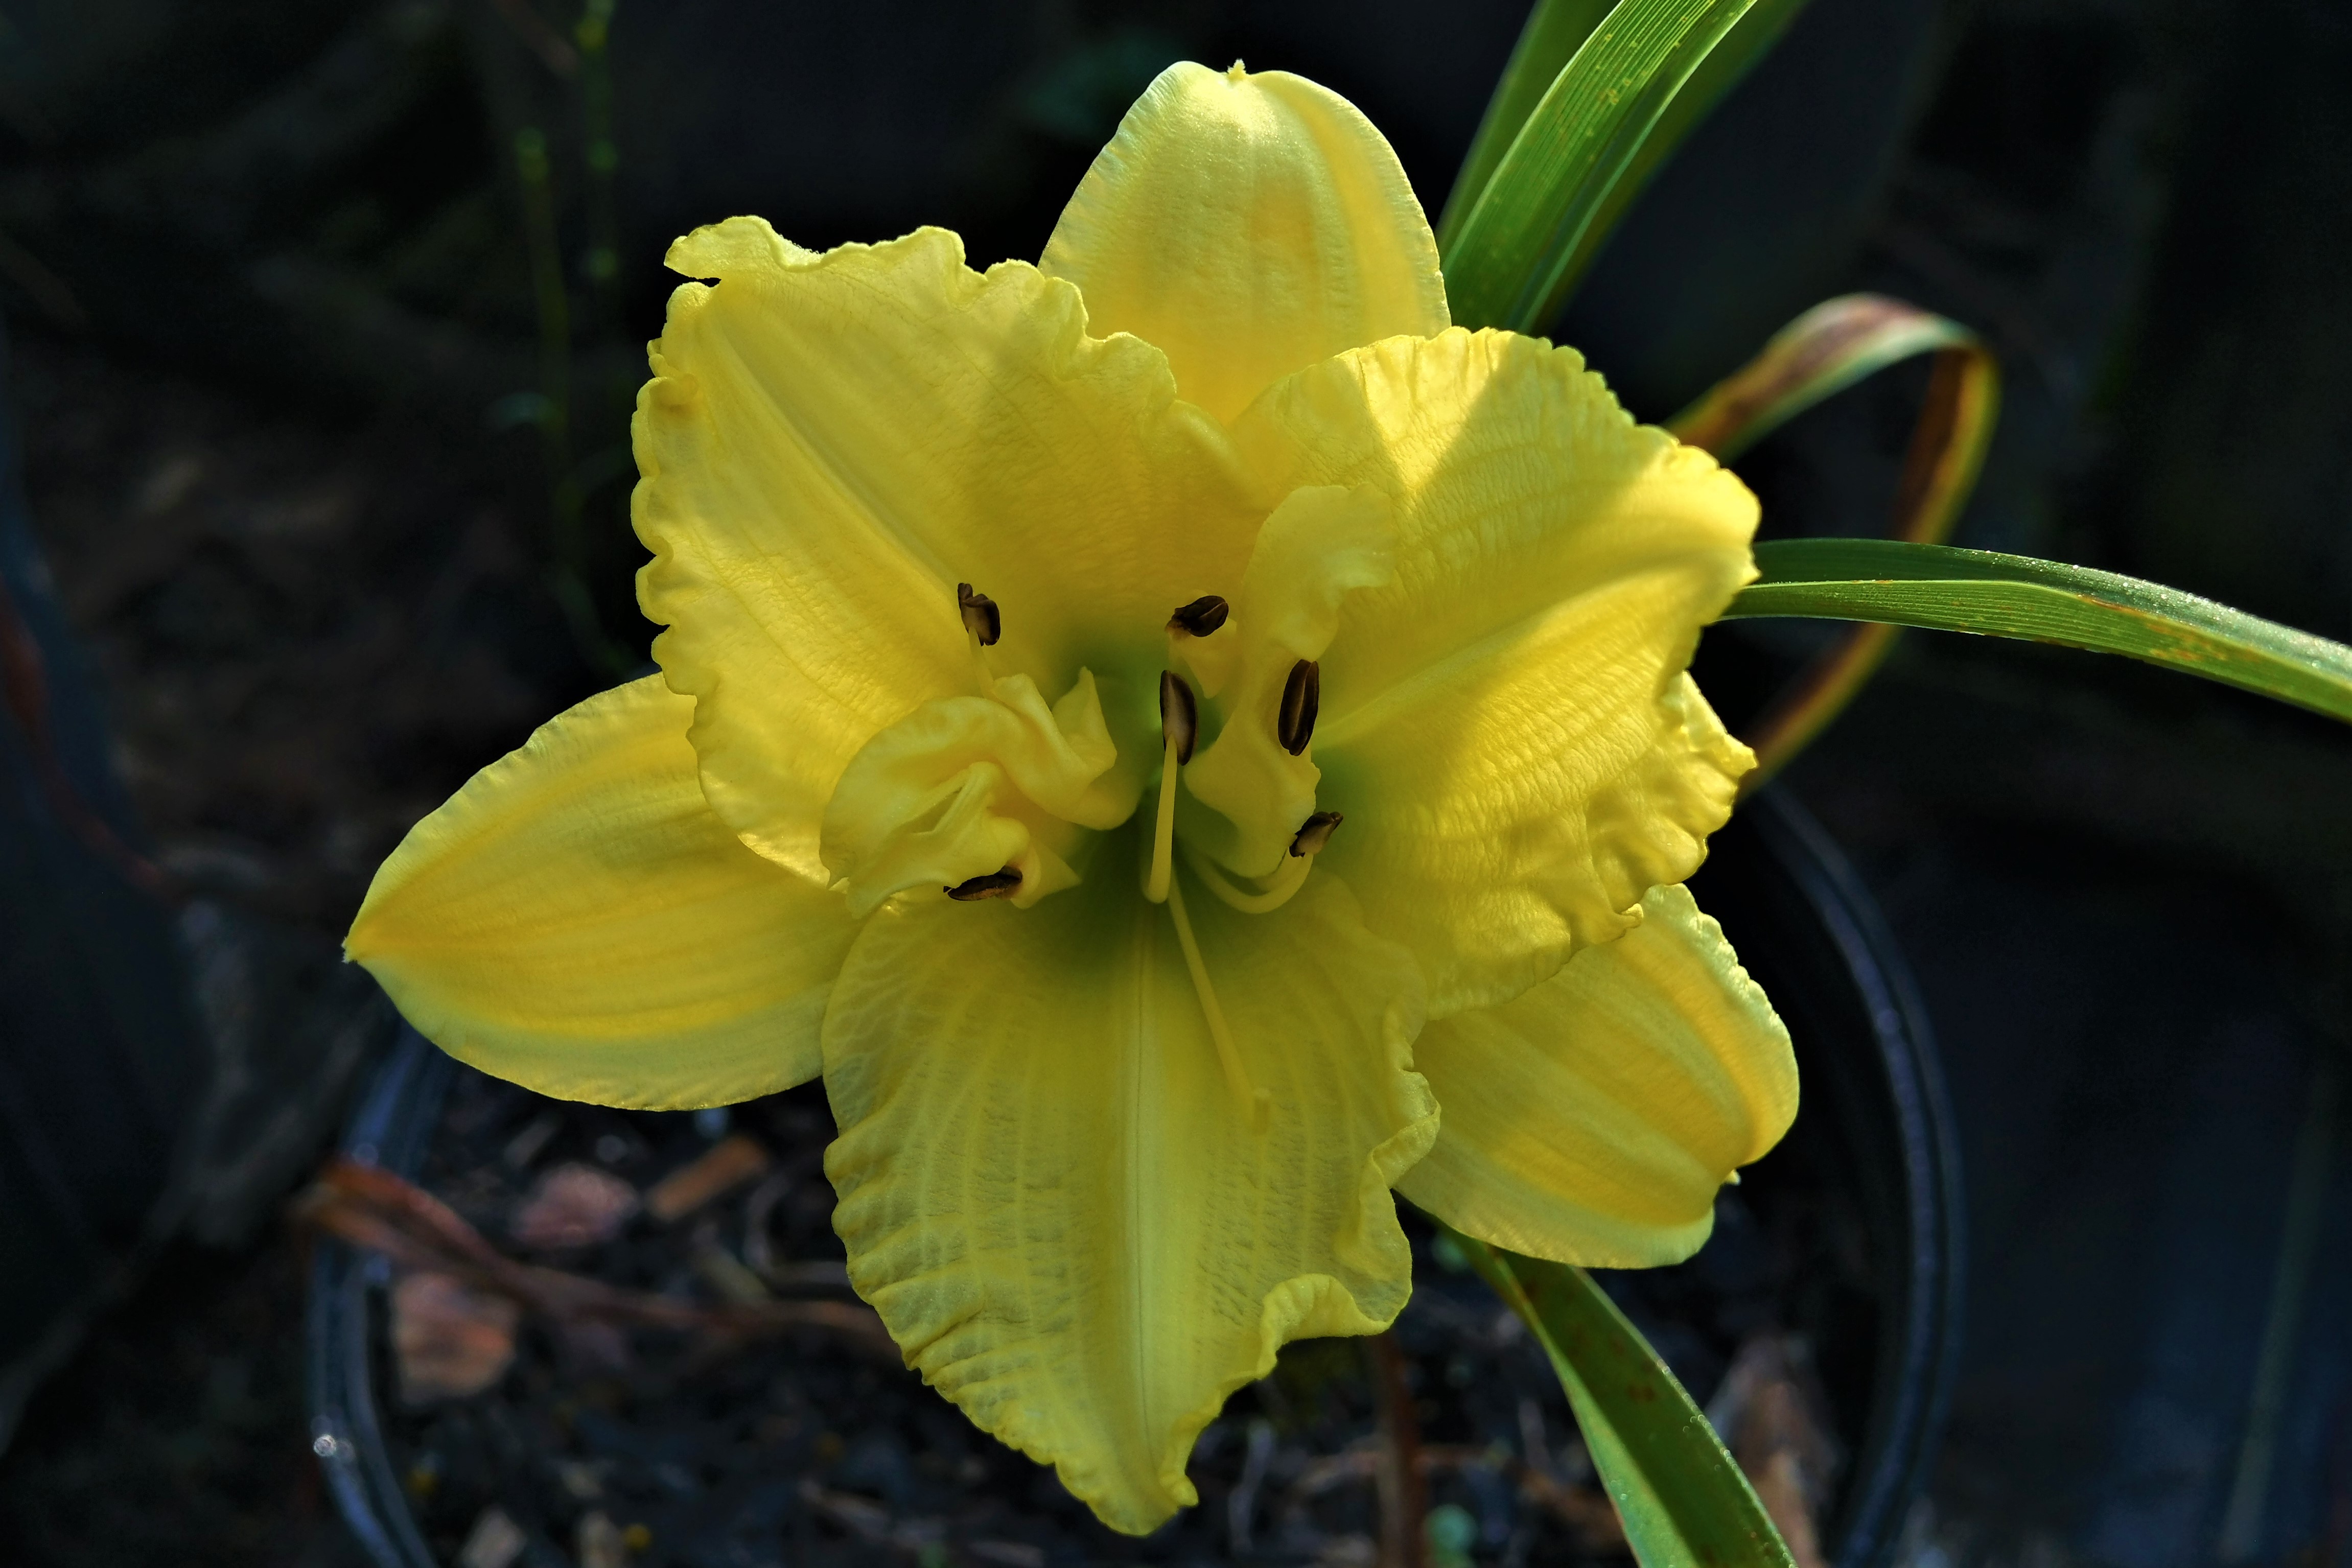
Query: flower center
x,y
994,793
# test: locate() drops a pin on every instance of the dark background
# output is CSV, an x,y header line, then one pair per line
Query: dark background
x,y
265,269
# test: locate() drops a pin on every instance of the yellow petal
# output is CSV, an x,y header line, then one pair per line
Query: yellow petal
x,y
1592,1119
575,919
831,443
1506,726
969,785
1250,225
1058,1201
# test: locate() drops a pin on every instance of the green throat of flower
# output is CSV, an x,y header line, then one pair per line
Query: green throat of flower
x,y
994,794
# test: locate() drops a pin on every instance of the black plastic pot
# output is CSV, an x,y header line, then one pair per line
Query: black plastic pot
x,y
1875,1136
100,1055
1874,1123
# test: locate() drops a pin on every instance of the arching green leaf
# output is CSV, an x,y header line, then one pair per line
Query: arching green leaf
x,y
1683,1500
1589,107
2044,602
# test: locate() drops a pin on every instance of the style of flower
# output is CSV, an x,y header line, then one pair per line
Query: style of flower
x,y
1183,740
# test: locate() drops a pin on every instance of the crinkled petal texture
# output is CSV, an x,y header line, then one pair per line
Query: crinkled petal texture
x,y
1249,226
1592,1119
1507,724
1056,1199
576,920
831,443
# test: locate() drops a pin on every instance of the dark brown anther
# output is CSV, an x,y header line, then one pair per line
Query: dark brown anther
x,y
1302,694
1200,617
995,885
980,618
1315,832
1180,718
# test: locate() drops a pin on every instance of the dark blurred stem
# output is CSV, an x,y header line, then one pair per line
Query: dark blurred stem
x,y
1404,1496
2299,1244
603,160
566,574
554,339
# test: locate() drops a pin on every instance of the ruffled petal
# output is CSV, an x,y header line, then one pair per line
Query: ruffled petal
x,y
1250,225
966,786
1057,1199
1508,726
1592,1119
576,920
831,444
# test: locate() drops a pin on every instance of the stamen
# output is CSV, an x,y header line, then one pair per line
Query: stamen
x,y
1315,832
995,885
1200,617
1302,694
1180,715
981,616
1280,889
1164,829
1180,726
1256,1101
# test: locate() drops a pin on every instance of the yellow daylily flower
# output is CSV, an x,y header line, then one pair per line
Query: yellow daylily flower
x,y
1185,741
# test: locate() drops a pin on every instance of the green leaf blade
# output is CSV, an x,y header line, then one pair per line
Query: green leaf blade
x,y
1508,258
1990,594
1555,30
1586,112
1683,1501
1750,39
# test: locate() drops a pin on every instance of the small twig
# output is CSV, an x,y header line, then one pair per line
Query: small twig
x,y
1404,1495
871,1523
371,1207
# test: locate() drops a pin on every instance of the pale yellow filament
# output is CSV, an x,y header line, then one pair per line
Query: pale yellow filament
x,y
983,668
1258,1103
1163,835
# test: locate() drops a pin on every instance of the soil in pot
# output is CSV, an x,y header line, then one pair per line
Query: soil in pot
x,y
809,1449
